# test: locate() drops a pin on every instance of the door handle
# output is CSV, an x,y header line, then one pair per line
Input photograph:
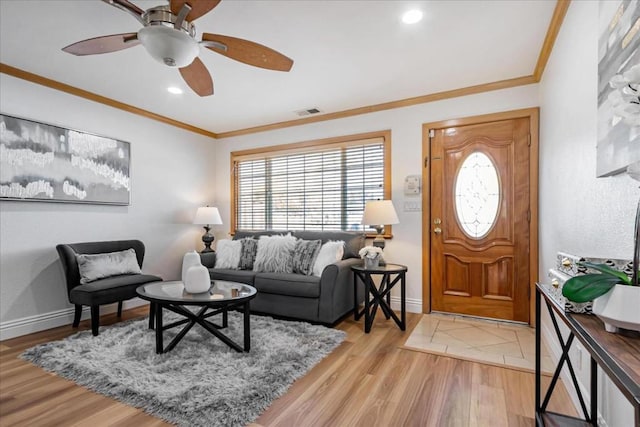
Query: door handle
x,y
437,230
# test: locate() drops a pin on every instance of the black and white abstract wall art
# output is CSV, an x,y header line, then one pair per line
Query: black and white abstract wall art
x,y
42,162
618,118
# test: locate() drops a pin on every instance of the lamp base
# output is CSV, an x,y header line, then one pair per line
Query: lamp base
x,y
379,239
207,239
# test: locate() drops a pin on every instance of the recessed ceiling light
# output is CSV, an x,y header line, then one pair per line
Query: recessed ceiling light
x,y
174,90
412,16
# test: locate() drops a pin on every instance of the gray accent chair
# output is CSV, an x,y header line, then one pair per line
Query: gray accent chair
x,y
325,299
103,291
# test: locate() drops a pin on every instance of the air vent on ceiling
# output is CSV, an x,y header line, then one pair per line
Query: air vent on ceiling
x,y
308,111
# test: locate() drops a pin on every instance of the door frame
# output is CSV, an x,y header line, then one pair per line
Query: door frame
x,y
533,115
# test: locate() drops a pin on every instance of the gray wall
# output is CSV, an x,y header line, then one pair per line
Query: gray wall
x,y
579,213
171,175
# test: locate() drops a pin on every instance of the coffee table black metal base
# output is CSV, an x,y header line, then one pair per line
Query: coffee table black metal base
x,y
221,297
375,297
200,317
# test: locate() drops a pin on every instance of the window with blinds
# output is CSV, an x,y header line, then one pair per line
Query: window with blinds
x,y
317,185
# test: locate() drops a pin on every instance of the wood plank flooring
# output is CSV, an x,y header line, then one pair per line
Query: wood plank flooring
x,y
367,381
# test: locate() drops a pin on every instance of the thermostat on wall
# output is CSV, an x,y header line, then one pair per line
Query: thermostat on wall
x,y
412,185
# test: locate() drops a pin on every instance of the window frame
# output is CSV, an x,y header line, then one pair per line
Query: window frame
x,y
309,147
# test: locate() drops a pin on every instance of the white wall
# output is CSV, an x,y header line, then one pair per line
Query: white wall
x,y
171,175
579,213
406,155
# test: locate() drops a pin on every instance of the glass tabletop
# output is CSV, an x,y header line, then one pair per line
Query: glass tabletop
x,y
174,291
384,268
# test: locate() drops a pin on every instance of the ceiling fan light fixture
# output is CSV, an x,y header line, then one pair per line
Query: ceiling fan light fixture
x,y
169,46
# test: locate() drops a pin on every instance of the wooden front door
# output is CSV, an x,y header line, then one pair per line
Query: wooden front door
x,y
480,218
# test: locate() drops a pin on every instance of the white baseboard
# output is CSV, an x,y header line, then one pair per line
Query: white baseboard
x,y
54,319
414,305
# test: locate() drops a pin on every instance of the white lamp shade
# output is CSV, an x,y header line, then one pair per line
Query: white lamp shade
x,y
379,212
207,215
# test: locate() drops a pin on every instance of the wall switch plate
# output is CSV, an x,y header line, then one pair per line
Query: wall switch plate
x,y
413,206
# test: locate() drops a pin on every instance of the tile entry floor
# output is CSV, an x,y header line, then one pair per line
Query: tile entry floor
x,y
485,341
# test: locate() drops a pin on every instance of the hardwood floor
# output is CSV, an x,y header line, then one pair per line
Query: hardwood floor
x,y
367,381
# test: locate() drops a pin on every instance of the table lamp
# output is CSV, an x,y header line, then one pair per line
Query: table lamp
x,y
377,214
207,216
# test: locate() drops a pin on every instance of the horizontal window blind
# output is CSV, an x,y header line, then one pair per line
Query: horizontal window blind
x,y
312,188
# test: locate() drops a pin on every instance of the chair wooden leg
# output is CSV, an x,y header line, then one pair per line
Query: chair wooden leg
x,y
119,309
77,315
95,319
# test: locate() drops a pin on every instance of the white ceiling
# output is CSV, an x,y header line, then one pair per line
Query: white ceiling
x,y
347,54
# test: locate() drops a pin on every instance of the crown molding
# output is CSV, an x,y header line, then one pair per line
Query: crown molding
x,y
72,90
438,96
550,39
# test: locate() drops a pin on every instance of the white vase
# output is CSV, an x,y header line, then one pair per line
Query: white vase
x,y
197,279
189,260
619,308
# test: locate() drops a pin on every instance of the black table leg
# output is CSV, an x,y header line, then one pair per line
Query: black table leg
x,y
594,392
247,329
403,303
356,306
152,314
538,356
367,295
159,346
385,281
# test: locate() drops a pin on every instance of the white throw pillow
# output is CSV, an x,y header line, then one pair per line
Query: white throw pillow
x,y
330,252
99,266
228,253
274,254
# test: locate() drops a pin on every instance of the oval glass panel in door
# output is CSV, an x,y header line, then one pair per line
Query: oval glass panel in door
x,y
477,194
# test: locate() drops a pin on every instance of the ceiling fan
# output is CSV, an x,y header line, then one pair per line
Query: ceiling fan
x,y
168,35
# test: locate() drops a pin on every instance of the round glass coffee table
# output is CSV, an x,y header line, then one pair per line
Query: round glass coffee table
x,y
221,297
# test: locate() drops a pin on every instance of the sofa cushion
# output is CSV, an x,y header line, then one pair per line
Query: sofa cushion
x,y
240,276
288,284
111,289
354,241
304,256
228,253
241,234
98,266
331,252
249,247
274,254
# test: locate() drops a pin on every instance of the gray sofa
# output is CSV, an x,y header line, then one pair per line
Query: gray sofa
x,y
325,299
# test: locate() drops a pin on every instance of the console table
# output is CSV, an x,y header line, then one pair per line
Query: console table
x,y
618,355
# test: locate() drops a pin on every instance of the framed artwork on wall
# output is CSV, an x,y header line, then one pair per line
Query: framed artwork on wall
x,y
42,162
618,52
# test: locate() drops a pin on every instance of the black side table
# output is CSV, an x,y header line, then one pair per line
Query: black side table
x,y
375,296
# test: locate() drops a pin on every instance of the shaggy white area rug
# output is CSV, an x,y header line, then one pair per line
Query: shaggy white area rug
x,y
201,382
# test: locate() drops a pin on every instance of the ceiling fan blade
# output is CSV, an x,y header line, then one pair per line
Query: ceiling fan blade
x,y
103,44
248,52
128,7
198,7
198,78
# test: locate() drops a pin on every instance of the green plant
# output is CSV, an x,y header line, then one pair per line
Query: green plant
x,y
587,287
